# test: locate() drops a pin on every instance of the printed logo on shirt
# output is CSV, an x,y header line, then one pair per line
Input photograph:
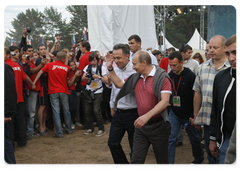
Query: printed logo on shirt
x,y
16,68
59,67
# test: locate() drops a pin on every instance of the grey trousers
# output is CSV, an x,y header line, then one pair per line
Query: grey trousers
x,y
156,134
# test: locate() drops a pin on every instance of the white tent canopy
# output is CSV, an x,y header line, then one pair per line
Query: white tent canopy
x,y
168,44
110,24
194,42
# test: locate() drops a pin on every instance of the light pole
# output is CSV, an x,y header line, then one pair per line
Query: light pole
x,y
201,43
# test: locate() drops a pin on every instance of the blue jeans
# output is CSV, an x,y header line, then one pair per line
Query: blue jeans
x,y
9,155
223,149
211,159
32,100
197,150
55,100
121,122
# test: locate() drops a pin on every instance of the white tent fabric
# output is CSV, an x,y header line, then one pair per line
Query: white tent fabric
x,y
168,44
194,42
112,24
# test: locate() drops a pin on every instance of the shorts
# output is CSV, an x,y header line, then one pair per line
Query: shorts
x,y
43,97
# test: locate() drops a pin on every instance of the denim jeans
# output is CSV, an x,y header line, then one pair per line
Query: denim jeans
x,y
121,123
94,108
211,159
55,100
8,146
223,149
32,100
197,149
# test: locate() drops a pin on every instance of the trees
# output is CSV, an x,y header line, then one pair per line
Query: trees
x,y
49,24
180,27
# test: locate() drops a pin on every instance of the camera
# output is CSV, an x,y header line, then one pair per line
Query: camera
x,y
13,53
27,56
89,75
28,30
186,125
44,56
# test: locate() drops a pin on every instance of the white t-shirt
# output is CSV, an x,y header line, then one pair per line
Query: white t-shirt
x,y
96,83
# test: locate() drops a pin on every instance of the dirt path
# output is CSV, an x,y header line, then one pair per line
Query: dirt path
x,y
85,149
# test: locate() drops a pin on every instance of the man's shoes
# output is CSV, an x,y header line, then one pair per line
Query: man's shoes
x,y
87,132
55,136
33,135
78,124
179,144
197,162
100,133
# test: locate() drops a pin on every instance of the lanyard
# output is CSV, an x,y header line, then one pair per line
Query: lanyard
x,y
177,85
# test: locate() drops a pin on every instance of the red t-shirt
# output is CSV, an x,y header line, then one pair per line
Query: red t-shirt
x,y
20,75
164,64
83,62
70,75
32,77
57,77
145,97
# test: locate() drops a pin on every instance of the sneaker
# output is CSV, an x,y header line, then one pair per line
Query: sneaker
x,y
100,133
78,124
87,132
73,126
33,135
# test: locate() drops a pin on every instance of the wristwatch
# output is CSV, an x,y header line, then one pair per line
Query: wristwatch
x,y
110,69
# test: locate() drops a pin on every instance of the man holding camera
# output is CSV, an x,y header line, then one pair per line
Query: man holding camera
x,y
95,75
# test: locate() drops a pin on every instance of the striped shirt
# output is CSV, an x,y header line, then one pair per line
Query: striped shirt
x,y
204,84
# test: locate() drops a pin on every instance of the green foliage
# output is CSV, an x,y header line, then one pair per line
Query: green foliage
x,y
180,28
49,24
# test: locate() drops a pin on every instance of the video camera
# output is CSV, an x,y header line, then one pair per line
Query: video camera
x,y
89,75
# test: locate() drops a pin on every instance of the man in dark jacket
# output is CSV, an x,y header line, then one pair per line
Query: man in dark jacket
x,y
223,116
182,109
9,108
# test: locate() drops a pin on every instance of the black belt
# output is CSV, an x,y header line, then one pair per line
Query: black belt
x,y
128,110
152,121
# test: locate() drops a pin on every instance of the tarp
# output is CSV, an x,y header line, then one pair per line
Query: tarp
x,y
112,24
194,42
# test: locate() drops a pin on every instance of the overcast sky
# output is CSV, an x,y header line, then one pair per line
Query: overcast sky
x,y
12,11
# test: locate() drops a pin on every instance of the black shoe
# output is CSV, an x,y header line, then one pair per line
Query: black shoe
x,y
55,136
197,162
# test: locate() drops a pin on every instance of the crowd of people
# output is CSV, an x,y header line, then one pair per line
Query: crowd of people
x,y
150,96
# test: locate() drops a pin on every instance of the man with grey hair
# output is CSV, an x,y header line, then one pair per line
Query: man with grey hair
x,y
203,87
58,91
153,89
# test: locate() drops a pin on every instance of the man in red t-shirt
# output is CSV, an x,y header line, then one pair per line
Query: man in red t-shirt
x,y
33,95
58,91
83,62
18,119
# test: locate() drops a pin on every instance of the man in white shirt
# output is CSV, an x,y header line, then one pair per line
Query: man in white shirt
x,y
134,42
126,112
